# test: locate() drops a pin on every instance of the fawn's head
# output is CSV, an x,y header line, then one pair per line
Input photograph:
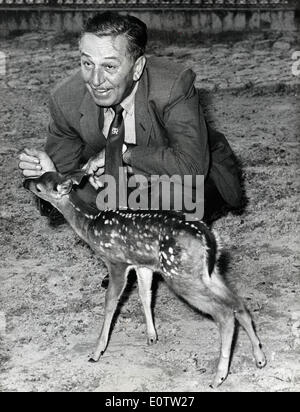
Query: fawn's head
x,y
52,186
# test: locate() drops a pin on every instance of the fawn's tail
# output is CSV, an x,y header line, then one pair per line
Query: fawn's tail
x,y
212,278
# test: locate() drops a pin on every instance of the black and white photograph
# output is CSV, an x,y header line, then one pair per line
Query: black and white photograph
x,y
149,198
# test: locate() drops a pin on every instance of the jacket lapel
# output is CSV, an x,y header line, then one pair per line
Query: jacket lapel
x,y
143,123
91,122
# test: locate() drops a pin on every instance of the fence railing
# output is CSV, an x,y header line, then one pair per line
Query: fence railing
x,y
149,3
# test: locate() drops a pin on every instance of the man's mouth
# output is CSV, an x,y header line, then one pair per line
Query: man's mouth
x,y
101,92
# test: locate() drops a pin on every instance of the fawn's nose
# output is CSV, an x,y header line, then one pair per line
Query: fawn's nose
x,y
26,184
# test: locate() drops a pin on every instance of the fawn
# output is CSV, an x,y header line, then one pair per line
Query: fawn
x,y
185,253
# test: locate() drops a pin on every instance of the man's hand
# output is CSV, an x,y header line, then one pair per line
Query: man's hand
x,y
34,163
125,158
95,168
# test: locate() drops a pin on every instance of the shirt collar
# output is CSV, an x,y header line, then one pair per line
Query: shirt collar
x,y
128,102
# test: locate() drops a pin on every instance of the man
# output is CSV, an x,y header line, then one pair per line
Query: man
x,y
158,110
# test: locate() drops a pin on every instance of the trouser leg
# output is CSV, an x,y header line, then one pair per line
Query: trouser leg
x,y
214,204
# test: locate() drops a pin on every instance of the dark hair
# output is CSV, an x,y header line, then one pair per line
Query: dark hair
x,y
113,24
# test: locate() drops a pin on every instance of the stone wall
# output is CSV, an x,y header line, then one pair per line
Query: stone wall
x,y
187,22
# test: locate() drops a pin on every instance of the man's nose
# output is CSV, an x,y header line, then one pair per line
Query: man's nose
x,y
97,78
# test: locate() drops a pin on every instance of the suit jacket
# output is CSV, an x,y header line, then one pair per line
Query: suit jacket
x,y
172,136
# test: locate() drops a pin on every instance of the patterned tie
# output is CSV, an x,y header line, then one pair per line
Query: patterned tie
x,y
113,156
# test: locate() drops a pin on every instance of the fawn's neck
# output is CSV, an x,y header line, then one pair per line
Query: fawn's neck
x,y
78,217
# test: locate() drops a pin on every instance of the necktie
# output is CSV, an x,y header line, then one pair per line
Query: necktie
x,y
113,156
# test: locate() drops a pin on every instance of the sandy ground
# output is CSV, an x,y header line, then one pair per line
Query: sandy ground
x,y
51,306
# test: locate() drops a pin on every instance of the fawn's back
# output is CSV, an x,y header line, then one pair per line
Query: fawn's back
x,y
165,241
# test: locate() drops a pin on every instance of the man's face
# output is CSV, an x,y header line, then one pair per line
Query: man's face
x,y
107,69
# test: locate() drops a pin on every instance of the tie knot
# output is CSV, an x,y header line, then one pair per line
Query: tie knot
x,y
118,109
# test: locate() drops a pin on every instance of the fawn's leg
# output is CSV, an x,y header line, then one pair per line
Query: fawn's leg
x,y
204,300
244,318
225,318
117,282
145,277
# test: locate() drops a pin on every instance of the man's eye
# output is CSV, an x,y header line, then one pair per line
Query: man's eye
x,y
110,67
86,64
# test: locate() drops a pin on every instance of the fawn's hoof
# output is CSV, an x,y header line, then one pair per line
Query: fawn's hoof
x,y
94,358
219,379
217,382
261,363
152,338
260,358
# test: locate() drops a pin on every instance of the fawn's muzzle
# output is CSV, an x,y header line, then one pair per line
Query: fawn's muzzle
x,y
26,183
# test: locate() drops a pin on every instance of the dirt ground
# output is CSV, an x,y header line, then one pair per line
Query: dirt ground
x,y
51,306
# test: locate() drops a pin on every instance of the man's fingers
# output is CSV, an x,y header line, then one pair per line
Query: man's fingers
x,y
130,170
97,164
92,168
29,166
26,158
34,152
94,183
32,173
44,159
99,172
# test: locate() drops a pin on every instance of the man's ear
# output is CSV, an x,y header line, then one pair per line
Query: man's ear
x,y
65,187
138,68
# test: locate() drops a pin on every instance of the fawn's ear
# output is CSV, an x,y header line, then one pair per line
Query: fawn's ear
x,y
65,187
77,176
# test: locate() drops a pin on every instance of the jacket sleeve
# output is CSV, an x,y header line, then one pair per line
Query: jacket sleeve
x,y
63,145
187,150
